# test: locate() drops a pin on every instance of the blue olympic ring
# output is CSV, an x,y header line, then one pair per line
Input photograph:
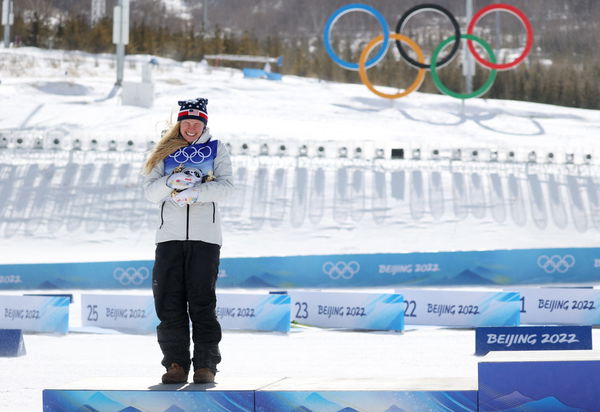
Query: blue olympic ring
x,y
347,9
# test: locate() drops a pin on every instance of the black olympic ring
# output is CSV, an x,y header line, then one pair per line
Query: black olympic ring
x,y
415,10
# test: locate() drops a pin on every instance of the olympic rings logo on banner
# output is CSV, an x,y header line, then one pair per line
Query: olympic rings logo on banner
x,y
556,263
131,276
192,154
364,63
341,269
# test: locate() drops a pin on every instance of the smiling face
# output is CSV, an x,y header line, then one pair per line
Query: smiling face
x,y
191,129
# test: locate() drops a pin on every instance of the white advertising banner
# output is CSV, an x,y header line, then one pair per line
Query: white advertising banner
x,y
560,306
254,312
132,313
35,313
370,311
460,308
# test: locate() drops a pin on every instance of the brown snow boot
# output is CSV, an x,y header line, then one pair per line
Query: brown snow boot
x,y
175,374
204,375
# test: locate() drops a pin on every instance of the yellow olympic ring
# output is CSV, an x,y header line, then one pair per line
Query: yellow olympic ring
x,y
362,71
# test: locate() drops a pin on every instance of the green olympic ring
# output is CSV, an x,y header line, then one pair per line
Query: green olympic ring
x,y
442,88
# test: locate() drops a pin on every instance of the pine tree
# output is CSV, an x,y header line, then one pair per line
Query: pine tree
x,y
100,37
37,32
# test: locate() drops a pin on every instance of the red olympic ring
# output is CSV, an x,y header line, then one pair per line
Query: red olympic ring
x,y
521,16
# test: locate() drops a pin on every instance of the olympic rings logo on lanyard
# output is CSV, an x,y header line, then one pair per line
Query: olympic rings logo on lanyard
x,y
364,63
192,154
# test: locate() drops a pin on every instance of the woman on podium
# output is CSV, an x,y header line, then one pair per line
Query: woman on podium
x,y
187,174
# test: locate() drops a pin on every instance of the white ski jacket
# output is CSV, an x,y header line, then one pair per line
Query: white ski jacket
x,y
200,220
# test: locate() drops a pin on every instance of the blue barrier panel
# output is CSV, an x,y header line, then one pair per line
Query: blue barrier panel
x,y
371,311
125,313
273,76
254,73
532,338
482,268
365,401
559,306
84,275
35,313
62,295
254,311
11,342
55,400
539,386
260,74
466,309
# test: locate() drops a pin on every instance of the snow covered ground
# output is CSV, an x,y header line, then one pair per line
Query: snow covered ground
x,y
51,95
438,204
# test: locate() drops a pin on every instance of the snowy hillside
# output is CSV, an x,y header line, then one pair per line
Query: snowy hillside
x,y
312,163
70,155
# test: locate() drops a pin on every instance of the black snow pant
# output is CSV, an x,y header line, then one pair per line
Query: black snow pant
x,y
183,283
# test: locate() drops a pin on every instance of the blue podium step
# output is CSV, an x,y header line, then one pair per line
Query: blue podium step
x,y
263,394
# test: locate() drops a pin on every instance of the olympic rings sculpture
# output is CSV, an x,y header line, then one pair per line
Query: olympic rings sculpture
x,y
365,63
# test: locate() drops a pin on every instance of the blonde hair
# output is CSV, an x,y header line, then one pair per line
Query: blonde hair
x,y
170,142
